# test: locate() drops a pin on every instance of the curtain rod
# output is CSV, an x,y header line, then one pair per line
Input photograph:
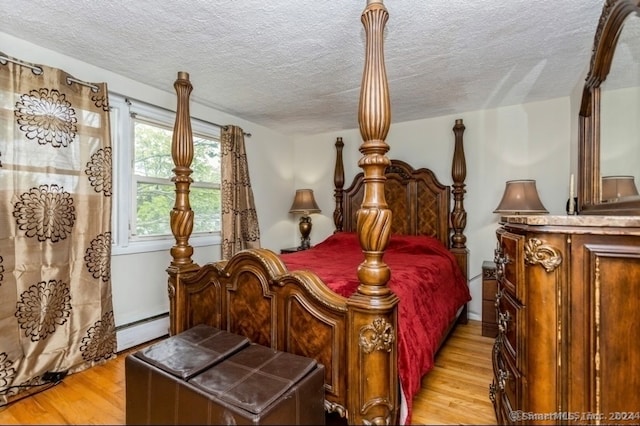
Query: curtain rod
x,y
219,126
38,70
225,127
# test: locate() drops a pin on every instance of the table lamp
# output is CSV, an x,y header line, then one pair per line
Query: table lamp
x,y
614,187
304,203
520,197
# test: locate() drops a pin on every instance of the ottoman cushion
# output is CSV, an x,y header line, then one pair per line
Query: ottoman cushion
x,y
254,378
187,354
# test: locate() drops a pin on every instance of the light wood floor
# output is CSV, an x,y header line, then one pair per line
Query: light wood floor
x,y
454,392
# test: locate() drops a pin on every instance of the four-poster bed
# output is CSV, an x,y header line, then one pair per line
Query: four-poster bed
x,y
356,334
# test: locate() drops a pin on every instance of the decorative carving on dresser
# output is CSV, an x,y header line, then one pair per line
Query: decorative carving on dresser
x,y
536,251
492,393
500,259
503,376
503,321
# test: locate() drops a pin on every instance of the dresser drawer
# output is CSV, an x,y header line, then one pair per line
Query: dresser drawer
x,y
510,264
510,319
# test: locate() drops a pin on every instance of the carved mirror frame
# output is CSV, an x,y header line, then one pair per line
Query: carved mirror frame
x,y
614,14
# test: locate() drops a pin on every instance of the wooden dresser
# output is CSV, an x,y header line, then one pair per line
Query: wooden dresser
x,y
568,346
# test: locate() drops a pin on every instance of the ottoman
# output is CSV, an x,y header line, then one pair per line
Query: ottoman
x,y
208,376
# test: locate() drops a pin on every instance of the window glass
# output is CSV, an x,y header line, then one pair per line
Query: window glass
x,y
143,171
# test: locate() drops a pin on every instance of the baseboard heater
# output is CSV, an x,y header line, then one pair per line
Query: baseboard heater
x,y
142,331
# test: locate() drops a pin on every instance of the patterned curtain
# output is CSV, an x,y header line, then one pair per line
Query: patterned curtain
x,y
239,218
56,312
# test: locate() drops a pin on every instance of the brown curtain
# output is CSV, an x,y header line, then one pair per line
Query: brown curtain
x,y
56,312
239,219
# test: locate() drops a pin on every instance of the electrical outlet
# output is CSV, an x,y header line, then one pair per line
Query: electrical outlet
x,y
54,376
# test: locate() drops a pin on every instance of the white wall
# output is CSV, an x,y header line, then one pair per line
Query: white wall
x,y
139,281
529,141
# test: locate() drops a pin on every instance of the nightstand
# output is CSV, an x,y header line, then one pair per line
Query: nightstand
x,y
290,250
489,290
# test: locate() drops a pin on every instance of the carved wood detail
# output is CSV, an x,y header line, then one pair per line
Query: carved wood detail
x,y
538,252
338,183
377,336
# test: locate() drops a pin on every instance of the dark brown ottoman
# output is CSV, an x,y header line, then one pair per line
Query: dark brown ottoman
x,y
207,376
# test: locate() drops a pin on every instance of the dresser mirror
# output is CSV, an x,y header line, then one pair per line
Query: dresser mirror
x,y
609,139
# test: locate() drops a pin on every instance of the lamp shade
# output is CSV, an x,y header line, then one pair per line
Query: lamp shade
x,y
304,202
520,196
618,186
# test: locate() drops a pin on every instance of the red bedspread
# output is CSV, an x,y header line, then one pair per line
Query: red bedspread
x,y
424,276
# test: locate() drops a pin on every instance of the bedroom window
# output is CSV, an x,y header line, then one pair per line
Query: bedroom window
x,y
143,191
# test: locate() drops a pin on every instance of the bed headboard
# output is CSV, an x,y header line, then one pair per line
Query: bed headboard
x,y
420,203
415,197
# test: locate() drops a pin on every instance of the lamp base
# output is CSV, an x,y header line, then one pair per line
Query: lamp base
x,y
305,230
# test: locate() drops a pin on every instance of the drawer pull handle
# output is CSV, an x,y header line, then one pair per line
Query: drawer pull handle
x,y
497,252
498,297
492,392
500,260
503,320
503,376
497,345
499,271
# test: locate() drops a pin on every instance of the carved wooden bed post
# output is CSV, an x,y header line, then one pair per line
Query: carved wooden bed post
x,y
181,215
338,183
459,215
373,396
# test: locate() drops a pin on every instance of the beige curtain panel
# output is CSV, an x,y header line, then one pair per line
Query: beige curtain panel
x,y
56,312
240,228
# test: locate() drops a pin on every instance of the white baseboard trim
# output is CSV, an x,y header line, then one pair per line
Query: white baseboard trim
x,y
140,332
475,317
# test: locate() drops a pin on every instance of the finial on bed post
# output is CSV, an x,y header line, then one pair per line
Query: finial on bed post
x,y
372,317
338,183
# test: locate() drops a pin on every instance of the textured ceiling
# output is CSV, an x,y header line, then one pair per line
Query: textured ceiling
x,y
295,66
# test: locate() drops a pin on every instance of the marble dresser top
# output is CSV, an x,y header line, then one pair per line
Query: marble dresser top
x,y
577,220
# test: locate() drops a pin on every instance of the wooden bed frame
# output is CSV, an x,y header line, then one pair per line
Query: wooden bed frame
x,y
253,294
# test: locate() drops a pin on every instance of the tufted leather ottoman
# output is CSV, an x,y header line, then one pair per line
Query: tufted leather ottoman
x,y
208,376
